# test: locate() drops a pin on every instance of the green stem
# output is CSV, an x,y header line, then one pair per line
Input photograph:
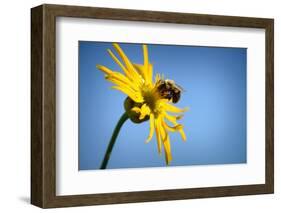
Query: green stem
x,y
121,121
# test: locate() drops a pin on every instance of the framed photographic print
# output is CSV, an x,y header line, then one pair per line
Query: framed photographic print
x,y
136,106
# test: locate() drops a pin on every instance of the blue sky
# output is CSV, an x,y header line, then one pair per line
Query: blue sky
x,y
214,80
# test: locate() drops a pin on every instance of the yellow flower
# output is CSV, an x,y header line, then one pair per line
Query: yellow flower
x,y
144,99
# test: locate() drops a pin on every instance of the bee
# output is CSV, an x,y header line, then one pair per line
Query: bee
x,y
168,89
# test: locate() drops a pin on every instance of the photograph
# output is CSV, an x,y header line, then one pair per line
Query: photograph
x,y
161,105
140,105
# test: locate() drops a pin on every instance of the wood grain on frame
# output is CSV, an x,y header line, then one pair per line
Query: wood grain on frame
x,y
43,105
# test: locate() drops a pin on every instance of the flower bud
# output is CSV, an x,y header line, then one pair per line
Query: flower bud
x,y
129,104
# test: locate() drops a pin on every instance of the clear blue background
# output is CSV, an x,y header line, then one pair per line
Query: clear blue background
x,y
214,80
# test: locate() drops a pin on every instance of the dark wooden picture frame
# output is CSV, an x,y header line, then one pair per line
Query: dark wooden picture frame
x,y
43,105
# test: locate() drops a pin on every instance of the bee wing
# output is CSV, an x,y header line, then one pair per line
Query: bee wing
x,y
180,88
176,85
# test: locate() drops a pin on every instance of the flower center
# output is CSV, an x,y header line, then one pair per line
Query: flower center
x,y
151,97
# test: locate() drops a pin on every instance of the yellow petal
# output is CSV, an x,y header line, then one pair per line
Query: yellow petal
x,y
171,118
112,74
146,75
175,128
145,57
145,110
182,133
172,108
146,66
130,93
122,83
151,127
119,63
150,73
179,127
166,142
162,129
132,72
136,109
158,136
105,69
167,148
117,75
140,69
